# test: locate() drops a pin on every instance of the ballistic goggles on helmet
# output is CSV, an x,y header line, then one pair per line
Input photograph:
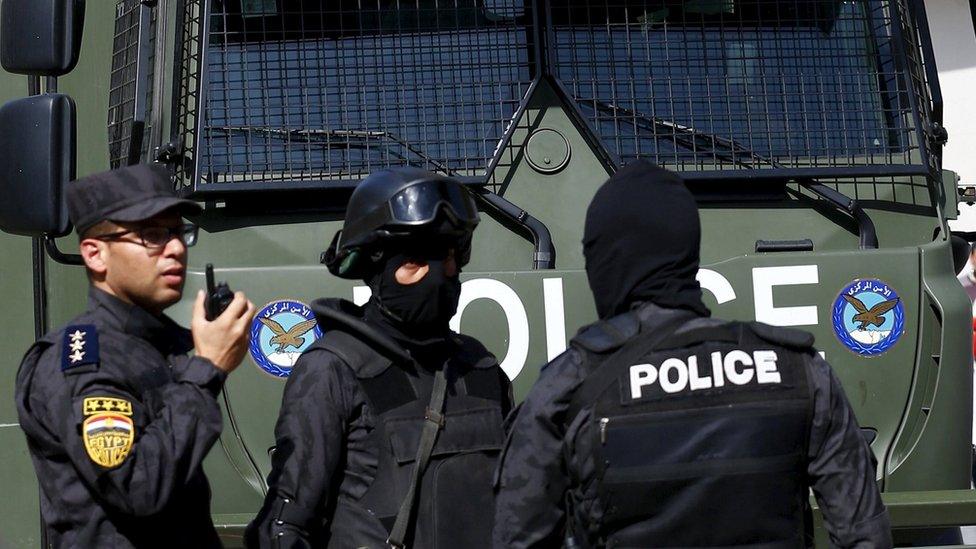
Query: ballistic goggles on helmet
x,y
421,203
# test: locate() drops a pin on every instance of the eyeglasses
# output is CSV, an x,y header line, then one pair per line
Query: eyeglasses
x,y
158,237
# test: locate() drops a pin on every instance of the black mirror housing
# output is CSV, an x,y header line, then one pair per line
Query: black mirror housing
x,y
37,145
40,37
960,252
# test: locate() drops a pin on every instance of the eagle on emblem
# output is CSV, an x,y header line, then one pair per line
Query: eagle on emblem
x,y
874,315
288,338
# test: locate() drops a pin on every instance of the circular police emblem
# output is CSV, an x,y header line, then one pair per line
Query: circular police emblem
x,y
279,333
868,317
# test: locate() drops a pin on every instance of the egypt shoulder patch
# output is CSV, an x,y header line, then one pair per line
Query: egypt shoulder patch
x,y
108,430
80,346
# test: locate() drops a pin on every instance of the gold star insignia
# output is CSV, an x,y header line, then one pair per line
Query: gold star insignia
x,y
93,405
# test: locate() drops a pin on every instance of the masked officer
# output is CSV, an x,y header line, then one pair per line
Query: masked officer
x,y
390,424
663,427
118,419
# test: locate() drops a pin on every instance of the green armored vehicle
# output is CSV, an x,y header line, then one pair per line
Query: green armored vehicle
x,y
810,132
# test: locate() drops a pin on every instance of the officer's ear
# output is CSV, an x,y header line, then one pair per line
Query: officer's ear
x,y
94,253
411,272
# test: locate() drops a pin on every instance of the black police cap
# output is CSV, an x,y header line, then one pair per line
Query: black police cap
x,y
133,193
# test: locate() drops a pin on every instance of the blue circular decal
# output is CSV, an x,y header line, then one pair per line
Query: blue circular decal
x,y
868,317
279,333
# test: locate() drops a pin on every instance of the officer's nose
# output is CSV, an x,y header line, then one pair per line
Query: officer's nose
x,y
175,248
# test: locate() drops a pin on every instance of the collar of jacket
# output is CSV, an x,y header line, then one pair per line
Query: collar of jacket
x,y
160,331
652,316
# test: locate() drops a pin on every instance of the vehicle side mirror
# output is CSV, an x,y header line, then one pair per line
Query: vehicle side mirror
x,y
40,37
37,145
960,252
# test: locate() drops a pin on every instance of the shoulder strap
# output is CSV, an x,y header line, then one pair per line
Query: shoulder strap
x,y
433,423
600,378
365,360
607,335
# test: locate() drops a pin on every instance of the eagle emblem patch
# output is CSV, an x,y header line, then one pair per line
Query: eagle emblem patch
x,y
279,333
868,317
108,431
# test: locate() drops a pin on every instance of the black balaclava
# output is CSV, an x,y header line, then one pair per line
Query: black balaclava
x,y
420,311
641,242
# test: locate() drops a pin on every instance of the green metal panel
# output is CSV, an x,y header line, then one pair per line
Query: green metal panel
x,y
933,450
16,280
12,86
932,508
20,526
19,507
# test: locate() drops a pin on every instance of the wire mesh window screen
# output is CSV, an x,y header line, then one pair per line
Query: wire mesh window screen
x,y
704,85
918,84
323,90
126,145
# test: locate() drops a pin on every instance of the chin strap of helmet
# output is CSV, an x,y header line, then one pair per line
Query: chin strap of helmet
x,y
433,423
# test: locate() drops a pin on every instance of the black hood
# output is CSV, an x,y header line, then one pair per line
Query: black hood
x,y
641,242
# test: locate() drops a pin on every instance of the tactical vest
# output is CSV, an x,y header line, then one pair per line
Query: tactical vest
x,y
700,439
455,499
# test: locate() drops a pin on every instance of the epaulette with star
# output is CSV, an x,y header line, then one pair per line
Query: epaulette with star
x,y
80,346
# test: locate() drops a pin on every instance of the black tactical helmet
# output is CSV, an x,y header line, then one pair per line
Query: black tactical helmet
x,y
394,205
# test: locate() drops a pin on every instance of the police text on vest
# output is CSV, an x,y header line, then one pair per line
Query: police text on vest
x,y
675,375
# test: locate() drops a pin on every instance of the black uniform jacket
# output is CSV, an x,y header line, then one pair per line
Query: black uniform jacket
x,y
540,464
326,449
118,420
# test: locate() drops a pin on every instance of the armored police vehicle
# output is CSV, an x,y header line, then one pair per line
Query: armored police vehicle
x,y
810,132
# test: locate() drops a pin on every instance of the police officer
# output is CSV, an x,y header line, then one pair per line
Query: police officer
x,y
663,427
118,418
390,424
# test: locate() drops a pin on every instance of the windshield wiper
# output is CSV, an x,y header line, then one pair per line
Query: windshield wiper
x,y
359,139
686,136
731,150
